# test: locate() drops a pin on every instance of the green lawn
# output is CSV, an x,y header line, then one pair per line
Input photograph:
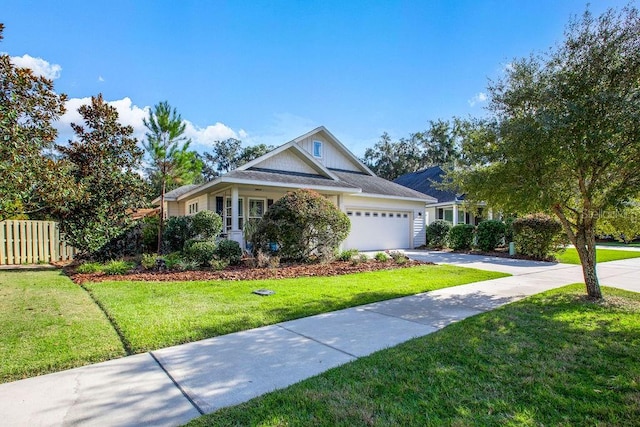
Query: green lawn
x,y
551,359
48,324
627,245
152,315
570,256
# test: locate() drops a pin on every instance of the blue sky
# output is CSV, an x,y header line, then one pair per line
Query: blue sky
x,y
268,71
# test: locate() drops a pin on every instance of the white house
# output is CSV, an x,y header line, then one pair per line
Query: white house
x,y
383,215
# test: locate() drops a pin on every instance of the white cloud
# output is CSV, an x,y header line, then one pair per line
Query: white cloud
x,y
39,66
132,115
100,79
208,135
477,99
128,114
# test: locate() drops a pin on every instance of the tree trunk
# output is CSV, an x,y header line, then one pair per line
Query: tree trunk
x,y
582,236
161,222
587,253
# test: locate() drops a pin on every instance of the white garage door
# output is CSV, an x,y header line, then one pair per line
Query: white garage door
x,y
374,230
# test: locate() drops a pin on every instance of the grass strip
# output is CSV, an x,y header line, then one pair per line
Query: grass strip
x,y
551,359
153,315
570,256
47,324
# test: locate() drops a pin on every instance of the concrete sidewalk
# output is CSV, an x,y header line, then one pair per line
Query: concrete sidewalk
x,y
173,385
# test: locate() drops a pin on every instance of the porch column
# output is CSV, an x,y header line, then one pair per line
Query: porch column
x,y
455,214
236,233
490,214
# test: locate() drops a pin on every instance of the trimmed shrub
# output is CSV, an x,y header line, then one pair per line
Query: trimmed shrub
x,y
347,255
538,235
115,267
177,231
89,267
381,256
438,233
461,236
200,251
398,256
206,225
149,261
490,233
229,251
302,224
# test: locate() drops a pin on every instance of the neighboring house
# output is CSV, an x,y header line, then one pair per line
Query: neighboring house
x,y
449,207
383,215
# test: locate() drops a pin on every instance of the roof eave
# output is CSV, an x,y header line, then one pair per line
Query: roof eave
x,y
386,196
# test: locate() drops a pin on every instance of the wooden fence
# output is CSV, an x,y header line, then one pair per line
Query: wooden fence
x,y
32,242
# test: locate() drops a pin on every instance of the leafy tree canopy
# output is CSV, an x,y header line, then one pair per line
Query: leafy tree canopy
x,y
438,145
563,135
170,162
28,107
104,161
228,155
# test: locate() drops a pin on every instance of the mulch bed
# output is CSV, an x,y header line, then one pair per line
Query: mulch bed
x,y
246,273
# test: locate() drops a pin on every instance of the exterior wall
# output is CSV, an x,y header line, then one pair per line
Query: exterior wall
x,y
416,209
432,214
286,161
331,157
200,200
174,209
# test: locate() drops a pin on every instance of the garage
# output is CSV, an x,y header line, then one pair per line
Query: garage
x,y
377,230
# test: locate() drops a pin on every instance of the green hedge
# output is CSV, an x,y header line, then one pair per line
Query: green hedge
x,y
490,233
461,236
538,235
438,234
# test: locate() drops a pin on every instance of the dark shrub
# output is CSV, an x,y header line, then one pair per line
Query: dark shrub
x,y
206,225
128,243
438,234
229,251
508,229
538,235
177,231
200,251
301,224
150,234
461,236
490,233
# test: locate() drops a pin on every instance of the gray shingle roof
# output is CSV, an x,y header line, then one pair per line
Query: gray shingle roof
x,y
180,191
376,185
273,176
424,180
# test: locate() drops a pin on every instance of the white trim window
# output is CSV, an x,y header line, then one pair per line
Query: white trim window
x,y
256,208
227,213
193,208
317,149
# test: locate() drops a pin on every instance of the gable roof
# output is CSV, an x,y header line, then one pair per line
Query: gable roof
x,y
298,151
177,192
314,175
341,148
424,181
375,185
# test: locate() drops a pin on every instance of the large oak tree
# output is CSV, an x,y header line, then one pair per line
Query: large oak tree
x,y
564,131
